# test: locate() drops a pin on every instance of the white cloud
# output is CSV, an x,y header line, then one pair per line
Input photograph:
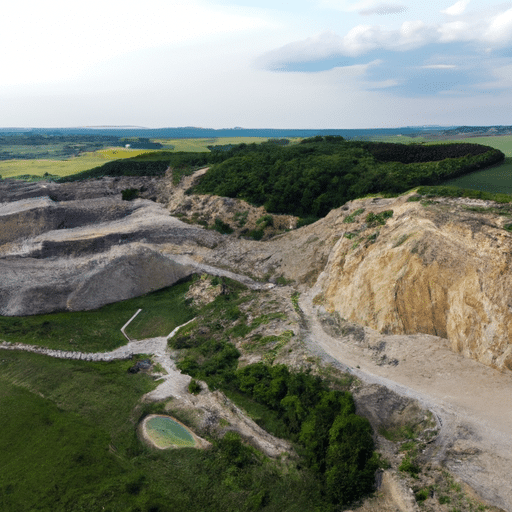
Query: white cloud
x,y
364,7
439,66
383,9
499,30
455,31
487,31
456,9
58,40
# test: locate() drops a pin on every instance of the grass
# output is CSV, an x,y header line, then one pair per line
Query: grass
x,y
68,442
496,179
99,330
12,168
351,218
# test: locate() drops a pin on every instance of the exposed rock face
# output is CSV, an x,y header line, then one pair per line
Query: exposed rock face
x,y
437,269
32,287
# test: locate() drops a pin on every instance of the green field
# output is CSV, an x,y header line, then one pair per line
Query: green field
x,y
99,330
90,160
496,179
11,168
69,443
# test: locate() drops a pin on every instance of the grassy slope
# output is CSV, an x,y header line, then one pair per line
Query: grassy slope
x,y
99,330
68,442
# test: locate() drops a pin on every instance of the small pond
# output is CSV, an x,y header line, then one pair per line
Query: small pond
x,y
165,432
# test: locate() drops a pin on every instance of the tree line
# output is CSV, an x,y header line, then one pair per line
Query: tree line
x,y
322,173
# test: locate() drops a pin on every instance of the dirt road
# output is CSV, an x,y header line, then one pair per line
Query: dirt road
x,y
472,402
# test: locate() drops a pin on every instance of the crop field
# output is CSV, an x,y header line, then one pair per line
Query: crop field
x,y
50,162
38,167
99,330
495,179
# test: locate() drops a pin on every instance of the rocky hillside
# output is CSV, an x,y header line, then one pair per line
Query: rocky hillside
x,y
439,268
433,267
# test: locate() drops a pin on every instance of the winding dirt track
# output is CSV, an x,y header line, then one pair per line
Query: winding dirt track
x,y
472,402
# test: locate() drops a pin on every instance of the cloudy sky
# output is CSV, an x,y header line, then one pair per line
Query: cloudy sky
x,y
256,63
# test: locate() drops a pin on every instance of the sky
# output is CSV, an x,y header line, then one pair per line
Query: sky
x,y
256,64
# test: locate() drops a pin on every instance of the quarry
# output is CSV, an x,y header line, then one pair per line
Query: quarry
x,y
413,305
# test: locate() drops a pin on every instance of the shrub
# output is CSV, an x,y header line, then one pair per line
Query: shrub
x,y
129,194
422,494
265,220
350,218
409,465
220,226
305,221
256,234
374,219
241,218
194,387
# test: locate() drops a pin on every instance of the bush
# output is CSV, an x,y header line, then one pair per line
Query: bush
x,y
194,387
409,465
265,220
374,219
422,494
220,226
128,194
306,221
256,234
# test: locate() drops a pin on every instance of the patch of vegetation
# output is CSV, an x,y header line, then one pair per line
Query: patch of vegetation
x,y
305,221
372,238
241,218
69,443
444,499
295,301
194,387
378,219
311,178
401,240
422,494
100,330
220,226
352,217
447,191
265,221
256,234
410,465
398,433
129,194
283,281
350,235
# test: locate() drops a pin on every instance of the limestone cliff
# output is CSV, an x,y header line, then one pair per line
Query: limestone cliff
x,y
434,267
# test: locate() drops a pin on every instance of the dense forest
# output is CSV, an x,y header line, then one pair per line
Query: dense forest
x,y
321,173
313,177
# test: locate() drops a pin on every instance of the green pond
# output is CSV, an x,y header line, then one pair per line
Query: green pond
x,y
166,433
